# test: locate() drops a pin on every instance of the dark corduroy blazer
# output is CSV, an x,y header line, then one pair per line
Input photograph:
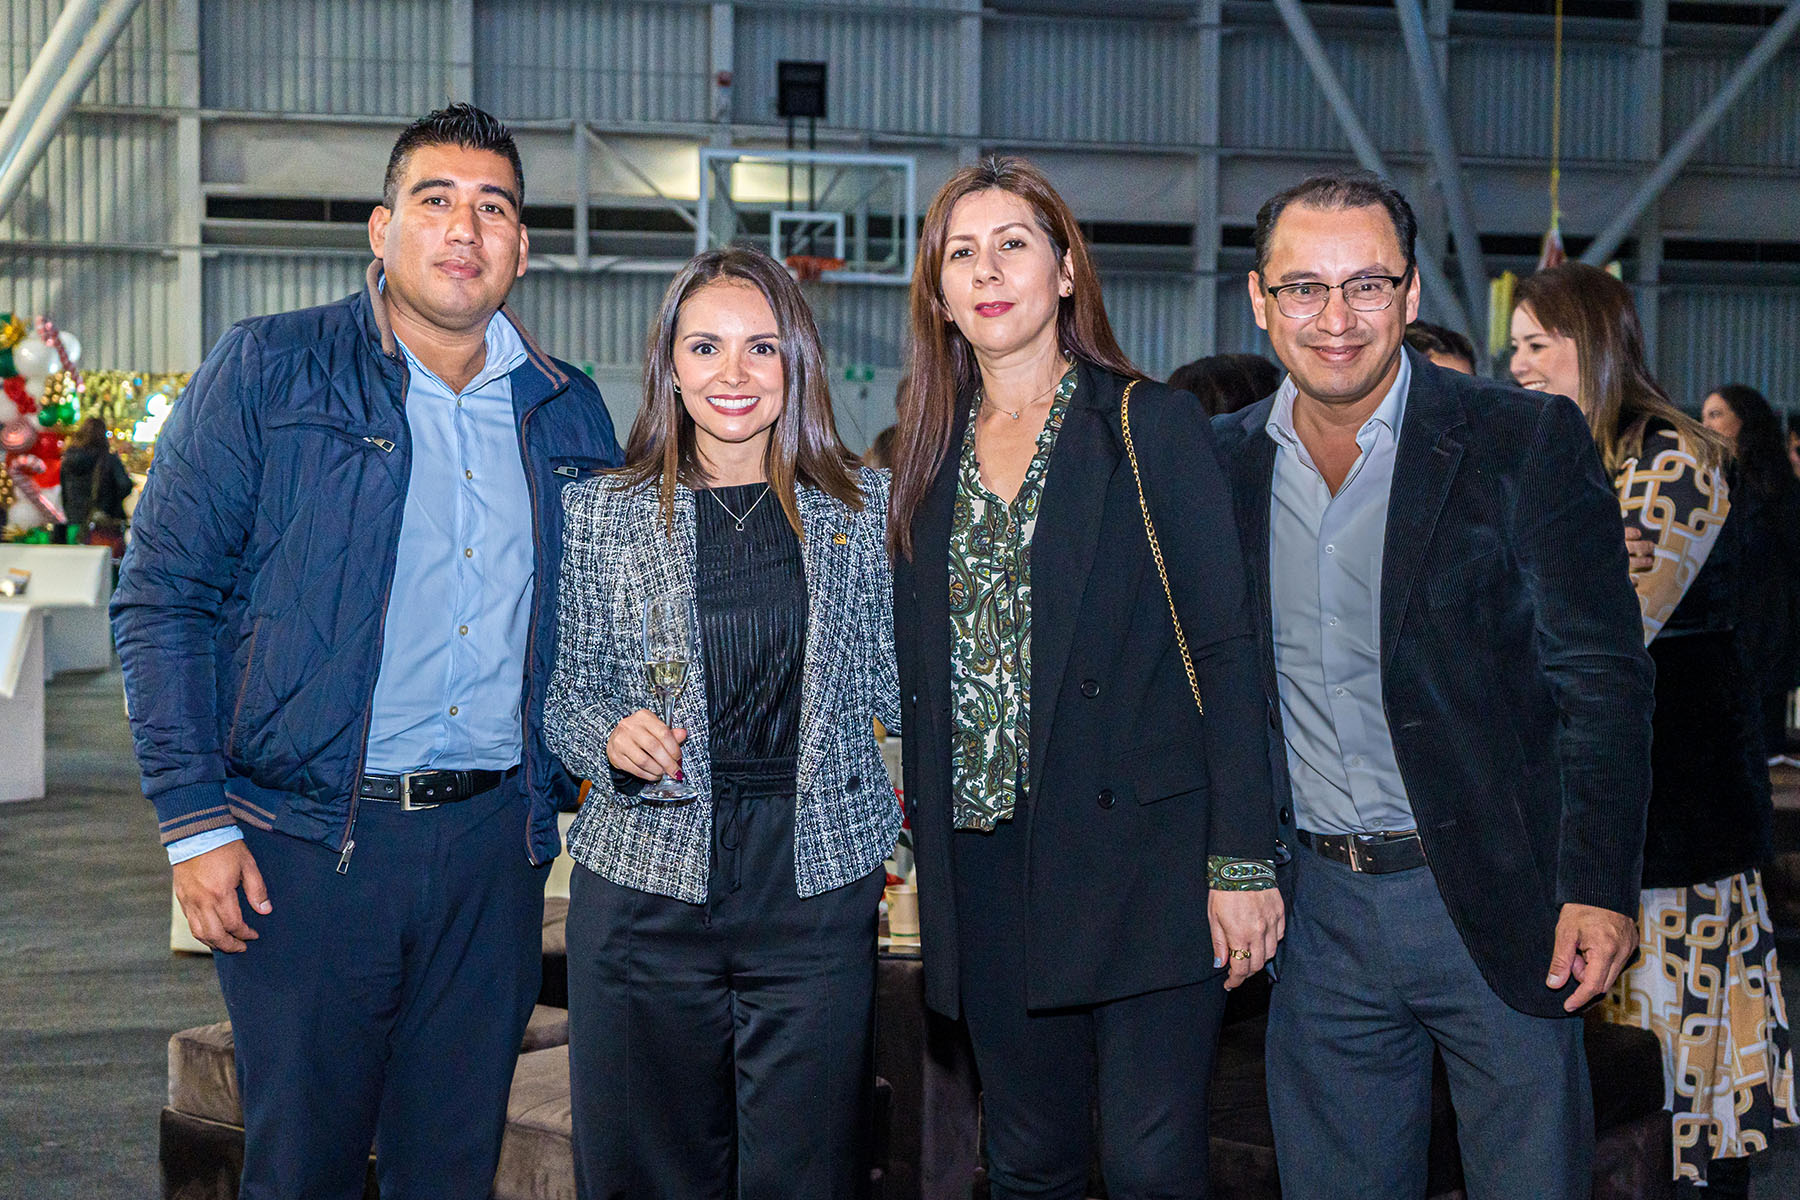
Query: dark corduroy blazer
x,y
1130,788
1513,669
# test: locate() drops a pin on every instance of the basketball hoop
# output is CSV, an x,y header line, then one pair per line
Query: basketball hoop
x,y
807,268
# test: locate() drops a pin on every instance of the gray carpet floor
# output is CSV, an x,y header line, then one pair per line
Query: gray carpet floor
x,y
89,992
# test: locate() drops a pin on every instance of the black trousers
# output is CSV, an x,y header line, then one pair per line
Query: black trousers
x,y
1144,1061
723,1049
386,1004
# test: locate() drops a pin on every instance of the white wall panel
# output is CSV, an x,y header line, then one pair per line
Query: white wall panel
x,y
894,72
1763,127
1090,81
241,285
377,57
136,71
102,179
605,62
1715,335
120,304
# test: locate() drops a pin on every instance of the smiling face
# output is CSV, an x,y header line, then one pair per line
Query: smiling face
x,y
1717,416
453,243
1542,360
1338,357
727,360
1001,278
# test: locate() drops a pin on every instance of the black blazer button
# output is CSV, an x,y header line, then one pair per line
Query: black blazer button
x,y
1105,799
1287,816
1090,688
853,783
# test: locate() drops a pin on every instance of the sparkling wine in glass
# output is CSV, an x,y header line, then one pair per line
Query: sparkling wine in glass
x,y
668,652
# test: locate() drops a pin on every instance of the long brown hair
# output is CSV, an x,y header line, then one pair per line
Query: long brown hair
x,y
941,370
803,446
1618,392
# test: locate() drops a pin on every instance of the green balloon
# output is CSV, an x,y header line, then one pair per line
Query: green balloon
x,y
6,363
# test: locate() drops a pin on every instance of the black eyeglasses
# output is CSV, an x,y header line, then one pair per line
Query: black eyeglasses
x,y
1364,293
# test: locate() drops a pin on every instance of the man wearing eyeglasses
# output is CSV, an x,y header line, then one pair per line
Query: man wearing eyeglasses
x,y
1463,759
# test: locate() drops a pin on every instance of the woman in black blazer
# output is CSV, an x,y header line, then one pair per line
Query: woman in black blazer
x,y
1094,855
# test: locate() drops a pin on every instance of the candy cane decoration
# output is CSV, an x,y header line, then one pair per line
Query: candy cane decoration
x,y
48,333
24,471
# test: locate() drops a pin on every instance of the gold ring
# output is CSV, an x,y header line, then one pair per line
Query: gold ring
x,y
1240,954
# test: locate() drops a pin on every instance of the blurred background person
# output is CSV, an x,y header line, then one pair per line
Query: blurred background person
x,y
1227,383
95,486
1706,981
880,453
1444,347
1765,497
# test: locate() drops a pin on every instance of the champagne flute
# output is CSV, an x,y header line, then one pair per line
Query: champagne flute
x,y
668,652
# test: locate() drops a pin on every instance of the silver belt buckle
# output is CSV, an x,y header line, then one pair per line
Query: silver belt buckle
x,y
406,800
1357,861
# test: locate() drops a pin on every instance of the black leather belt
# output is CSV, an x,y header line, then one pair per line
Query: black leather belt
x,y
427,789
1370,853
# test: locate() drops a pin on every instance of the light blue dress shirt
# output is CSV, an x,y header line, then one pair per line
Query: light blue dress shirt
x,y
1325,555
451,684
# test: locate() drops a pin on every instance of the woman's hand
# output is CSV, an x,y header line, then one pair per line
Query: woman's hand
x,y
643,746
1246,928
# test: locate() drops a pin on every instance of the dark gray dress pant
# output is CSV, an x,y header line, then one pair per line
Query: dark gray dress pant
x,y
723,1049
1373,976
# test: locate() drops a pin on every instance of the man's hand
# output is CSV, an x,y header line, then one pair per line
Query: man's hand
x,y
1245,921
1640,549
207,887
1592,944
644,746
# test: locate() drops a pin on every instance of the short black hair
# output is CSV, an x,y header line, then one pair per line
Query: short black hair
x,y
1335,190
1429,339
462,125
1227,383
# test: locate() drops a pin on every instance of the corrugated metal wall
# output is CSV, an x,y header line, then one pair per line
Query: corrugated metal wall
x,y
605,62
1761,130
116,302
1268,99
1715,335
1153,318
136,72
377,57
1090,81
1500,99
598,318
241,285
102,179
894,72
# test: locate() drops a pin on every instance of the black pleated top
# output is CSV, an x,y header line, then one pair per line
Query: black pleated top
x,y
750,591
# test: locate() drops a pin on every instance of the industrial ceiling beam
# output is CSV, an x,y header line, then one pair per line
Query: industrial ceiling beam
x,y
1431,271
76,74
1767,47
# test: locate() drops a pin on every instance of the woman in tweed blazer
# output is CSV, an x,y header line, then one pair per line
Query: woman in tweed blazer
x,y
722,950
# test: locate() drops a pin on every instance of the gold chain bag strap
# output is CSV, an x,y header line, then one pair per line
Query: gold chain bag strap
x,y
1187,660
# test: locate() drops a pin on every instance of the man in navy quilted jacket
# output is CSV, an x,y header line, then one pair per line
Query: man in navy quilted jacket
x,y
337,622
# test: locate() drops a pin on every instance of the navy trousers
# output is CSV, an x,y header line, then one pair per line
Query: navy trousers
x,y
386,1005
723,1049
1144,1062
1373,976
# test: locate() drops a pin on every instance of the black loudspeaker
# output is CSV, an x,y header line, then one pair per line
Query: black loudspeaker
x,y
800,90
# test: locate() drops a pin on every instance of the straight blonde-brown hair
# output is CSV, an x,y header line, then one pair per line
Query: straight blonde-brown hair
x,y
803,446
1618,392
941,370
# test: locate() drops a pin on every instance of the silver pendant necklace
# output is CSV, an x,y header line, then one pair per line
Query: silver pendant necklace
x,y
740,520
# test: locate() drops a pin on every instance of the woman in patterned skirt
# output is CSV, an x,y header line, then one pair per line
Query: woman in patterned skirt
x,y
1706,980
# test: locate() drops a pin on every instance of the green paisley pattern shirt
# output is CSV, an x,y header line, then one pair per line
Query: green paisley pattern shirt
x,y
990,621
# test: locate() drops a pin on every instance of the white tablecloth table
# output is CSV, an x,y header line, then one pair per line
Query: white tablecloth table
x,y
21,701
72,585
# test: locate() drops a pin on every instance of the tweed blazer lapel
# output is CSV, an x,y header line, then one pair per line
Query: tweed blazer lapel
x,y
828,553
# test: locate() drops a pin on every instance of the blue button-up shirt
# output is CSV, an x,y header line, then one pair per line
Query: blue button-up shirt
x,y
453,650
1325,556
